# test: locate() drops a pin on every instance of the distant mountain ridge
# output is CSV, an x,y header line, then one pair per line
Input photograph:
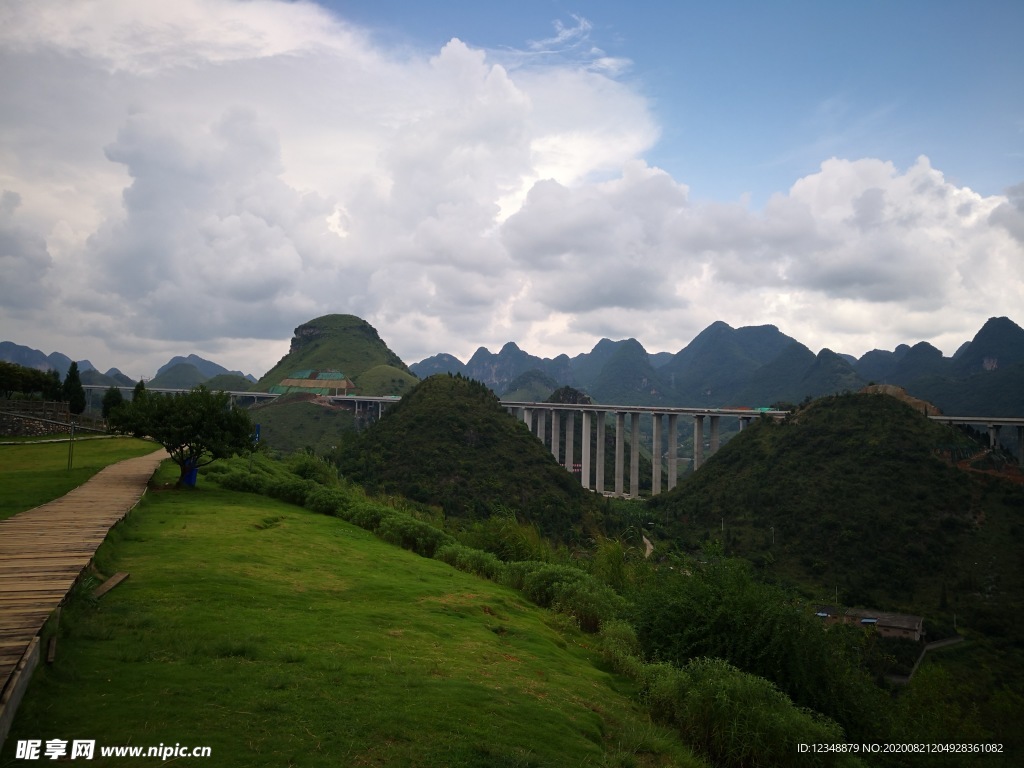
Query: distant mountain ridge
x,y
760,365
722,366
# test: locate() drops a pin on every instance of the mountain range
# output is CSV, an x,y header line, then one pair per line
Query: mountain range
x,y
759,365
722,366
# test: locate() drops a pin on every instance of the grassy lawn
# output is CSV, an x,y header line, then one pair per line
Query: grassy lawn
x,y
35,473
279,637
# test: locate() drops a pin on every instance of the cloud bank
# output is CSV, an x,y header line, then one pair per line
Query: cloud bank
x,y
203,177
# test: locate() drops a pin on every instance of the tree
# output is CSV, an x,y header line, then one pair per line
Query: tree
x,y
73,391
13,378
195,427
111,399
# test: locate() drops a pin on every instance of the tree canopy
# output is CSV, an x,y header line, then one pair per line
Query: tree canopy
x,y
73,391
195,427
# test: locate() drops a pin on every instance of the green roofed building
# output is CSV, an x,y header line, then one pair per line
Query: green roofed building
x,y
314,382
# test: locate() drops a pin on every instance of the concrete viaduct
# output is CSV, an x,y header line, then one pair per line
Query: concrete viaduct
x,y
994,424
540,416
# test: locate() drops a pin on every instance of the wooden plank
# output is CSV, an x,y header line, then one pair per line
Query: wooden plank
x,y
109,584
16,685
43,553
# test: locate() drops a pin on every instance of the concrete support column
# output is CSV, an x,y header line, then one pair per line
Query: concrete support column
x,y
714,434
744,422
620,444
556,434
634,455
655,454
993,435
570,429
542,424
599,467
698,442
673,449
585,449
527,414
1020,446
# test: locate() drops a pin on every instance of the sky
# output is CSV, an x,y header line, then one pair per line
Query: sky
x,y
201,177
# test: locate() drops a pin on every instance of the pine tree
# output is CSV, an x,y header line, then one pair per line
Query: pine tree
x,y
73,391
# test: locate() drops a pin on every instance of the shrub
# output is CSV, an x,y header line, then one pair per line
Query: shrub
x,y
738,719
293,490
328,501
309,466
588,601
410,533
471,560
241,481
514,575
367,515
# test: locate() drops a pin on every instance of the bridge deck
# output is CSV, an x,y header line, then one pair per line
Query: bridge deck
x,y
44,550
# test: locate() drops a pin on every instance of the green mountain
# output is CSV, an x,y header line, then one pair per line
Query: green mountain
x,y
498,371
340,342
179,376
206,368
629,377
855,497
718,364
531,387
450,443
228,382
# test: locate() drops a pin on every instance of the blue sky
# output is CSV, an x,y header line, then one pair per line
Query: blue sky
x,y
204,176
750,96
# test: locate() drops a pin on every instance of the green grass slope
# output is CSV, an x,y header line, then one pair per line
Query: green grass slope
x,y
278,637
450,443
340,342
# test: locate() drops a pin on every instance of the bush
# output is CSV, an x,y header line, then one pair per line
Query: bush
x,y
410,533
738,719
367,515
542,585
244,482
309,466
293,490
471,560
329,501
514,575
573,592
589,602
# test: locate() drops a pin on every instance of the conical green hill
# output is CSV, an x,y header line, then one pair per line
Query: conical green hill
x,y
343,343
855,496
450,443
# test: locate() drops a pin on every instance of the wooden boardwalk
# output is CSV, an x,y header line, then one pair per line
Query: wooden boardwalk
x,y
43,552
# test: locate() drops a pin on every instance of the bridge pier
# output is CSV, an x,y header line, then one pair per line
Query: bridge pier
x,y
656,420
714,434
599,466
585,449
698,442
556,435
634,456
993,435
570,429
620,441
1020,446
673,450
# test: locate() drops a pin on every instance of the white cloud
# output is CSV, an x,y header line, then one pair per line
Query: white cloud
x,y
204,176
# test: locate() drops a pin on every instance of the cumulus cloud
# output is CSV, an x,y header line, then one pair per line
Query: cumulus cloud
x,y
25,262
206,175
